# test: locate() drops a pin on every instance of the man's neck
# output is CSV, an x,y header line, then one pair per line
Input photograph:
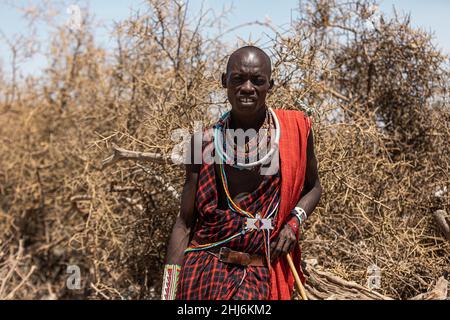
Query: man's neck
x,y
250,122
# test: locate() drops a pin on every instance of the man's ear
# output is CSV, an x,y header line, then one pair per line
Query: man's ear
x,y
224,80
271,84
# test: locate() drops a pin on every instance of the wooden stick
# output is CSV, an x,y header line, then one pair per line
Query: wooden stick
x,y
297,278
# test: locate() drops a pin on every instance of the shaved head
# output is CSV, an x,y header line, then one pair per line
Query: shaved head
x,y
248,52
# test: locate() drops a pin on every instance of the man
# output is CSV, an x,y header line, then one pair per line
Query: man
x,y
237,224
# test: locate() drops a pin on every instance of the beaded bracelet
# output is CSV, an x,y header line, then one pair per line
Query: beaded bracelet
x,y
170,281
301,215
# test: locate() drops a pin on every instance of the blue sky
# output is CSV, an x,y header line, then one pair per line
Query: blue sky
x,y
431,15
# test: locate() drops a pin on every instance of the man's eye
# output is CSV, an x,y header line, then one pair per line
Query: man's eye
x,y
259,81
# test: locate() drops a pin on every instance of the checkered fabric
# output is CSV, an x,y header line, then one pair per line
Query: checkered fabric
x,y
203,276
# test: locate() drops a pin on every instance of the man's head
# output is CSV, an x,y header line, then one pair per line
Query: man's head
x,y
247,80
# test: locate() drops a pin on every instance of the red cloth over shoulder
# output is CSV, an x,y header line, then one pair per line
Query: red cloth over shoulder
x,y
295,127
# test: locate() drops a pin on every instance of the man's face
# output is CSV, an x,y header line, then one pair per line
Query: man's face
x,y
247,82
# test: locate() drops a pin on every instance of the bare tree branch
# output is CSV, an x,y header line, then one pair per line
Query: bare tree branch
x,y
120,154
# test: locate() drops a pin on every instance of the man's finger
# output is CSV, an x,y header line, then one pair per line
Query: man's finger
x,y
292,246
292,240
287,244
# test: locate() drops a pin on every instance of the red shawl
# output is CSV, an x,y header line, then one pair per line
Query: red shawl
x,y
295,127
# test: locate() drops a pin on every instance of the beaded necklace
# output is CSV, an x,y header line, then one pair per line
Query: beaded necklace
x,y
254,147
273,205
219,143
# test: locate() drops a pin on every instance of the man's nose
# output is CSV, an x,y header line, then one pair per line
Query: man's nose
x,y
247,87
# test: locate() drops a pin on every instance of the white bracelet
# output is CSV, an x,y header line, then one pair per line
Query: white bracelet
x,y
300,214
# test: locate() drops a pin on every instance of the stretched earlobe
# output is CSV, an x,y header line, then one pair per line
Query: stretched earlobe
x,y
224,80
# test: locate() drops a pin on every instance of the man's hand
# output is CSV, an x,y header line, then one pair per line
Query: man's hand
x,y
283,244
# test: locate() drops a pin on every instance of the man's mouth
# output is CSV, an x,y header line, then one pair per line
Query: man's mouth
x,y
247,100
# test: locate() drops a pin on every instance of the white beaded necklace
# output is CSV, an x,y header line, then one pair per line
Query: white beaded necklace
x,y
218,144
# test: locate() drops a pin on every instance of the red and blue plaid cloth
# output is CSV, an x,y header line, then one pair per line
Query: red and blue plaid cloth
x,y
203,276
